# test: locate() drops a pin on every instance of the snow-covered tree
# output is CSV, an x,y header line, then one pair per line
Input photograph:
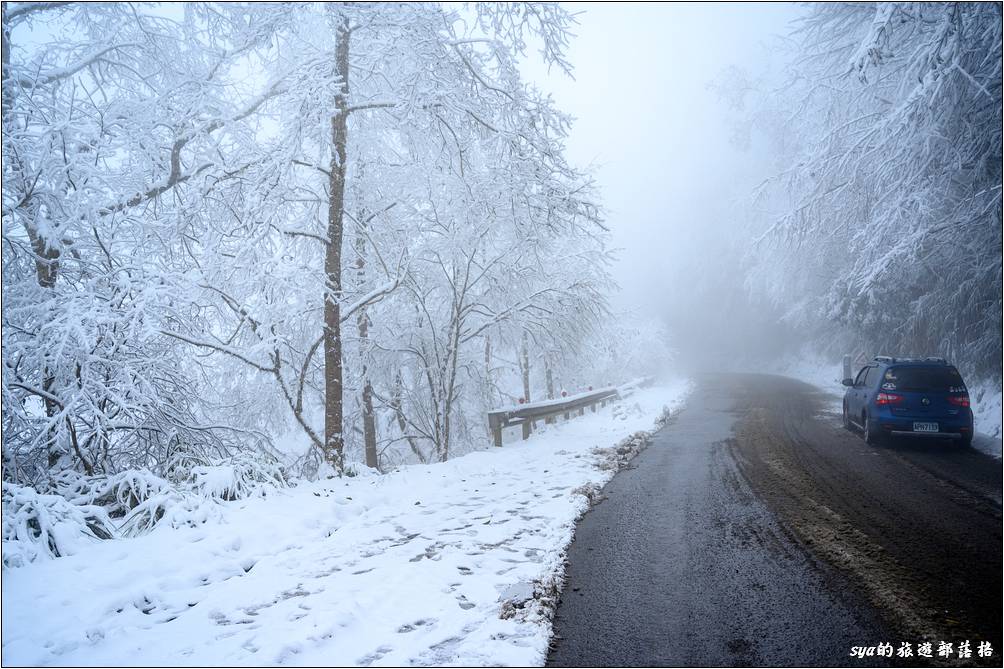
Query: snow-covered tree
x,y
889,133
113,119
224,222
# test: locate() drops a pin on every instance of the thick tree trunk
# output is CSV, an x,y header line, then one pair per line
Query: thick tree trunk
x,y
488,372
369,421
396,403
7,100
549,376
524,363
334,440
524,367
46,254
450,388
369,426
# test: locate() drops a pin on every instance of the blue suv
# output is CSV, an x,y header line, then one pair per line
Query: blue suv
x,y
917,397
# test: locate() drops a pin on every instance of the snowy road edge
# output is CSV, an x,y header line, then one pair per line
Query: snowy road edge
x,y
548,590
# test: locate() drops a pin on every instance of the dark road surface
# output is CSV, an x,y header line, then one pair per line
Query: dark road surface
x,y
755,530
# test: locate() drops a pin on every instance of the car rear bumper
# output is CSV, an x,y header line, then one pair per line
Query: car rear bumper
x,y
935,435
951,427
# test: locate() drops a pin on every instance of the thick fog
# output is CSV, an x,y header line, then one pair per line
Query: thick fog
x,y
653,124
684,110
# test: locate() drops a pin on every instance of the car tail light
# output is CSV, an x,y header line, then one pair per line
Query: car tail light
x,y
888,398
959,400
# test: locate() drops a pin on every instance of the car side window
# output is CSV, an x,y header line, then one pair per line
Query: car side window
x,y
862,375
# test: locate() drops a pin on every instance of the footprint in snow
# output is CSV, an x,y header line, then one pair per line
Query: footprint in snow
x,y
377,654
411,627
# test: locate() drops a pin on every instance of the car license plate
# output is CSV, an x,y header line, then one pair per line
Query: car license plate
x,y
925,427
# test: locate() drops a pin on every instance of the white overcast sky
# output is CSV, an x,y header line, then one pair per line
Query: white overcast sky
x,y
657,137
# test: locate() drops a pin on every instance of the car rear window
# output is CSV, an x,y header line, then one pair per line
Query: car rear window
x,y
924,379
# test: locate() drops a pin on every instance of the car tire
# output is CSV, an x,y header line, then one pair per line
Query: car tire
x,y
872,432
967,440
847,419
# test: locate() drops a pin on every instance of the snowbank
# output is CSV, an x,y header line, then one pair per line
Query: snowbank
x,y
451,563
988,405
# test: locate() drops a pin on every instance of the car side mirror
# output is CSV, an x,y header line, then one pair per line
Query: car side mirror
x,y
848,382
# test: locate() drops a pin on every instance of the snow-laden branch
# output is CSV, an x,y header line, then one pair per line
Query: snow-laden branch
x,y
369,298
50,76
220,348
177,174
23,10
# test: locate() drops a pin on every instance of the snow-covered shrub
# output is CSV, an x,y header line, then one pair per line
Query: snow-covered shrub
x,y
147,501
173,508
121,493
40,526
71,485
238,477
116,494
137,499
181,461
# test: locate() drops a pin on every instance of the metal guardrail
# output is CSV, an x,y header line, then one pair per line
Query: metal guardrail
x,y
548,410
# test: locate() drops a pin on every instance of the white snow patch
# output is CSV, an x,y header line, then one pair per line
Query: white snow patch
x,y
430,565
988,406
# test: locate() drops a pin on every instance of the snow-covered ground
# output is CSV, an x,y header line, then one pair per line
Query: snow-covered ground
x,y
988,405
986,397
436,564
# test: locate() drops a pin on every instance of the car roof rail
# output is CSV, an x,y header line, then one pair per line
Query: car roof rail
x,y
910,359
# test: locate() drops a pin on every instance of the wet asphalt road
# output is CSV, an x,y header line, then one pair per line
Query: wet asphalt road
x,y
755,530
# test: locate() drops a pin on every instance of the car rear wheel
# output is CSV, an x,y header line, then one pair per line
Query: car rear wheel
x,y
847,419
871,432
967,439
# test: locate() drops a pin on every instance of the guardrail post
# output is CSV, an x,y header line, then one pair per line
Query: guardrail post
x,y
527,428
496,428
